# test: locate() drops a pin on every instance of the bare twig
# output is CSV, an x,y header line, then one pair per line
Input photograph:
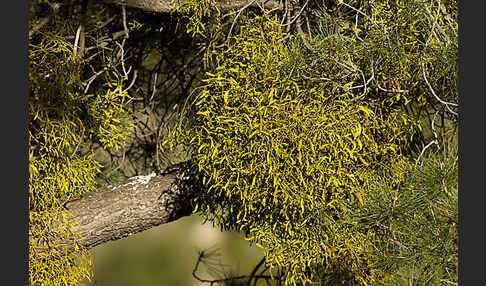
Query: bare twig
x,y
302,35
122,58
92,78
55,9
124,15
222,280
132,82
234,21
254,271
423,150
76,39
447,104
433,92
290,22
394,90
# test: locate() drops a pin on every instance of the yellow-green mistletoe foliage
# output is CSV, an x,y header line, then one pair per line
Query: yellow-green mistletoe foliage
x,y
195,11
48,262
285,159
61,119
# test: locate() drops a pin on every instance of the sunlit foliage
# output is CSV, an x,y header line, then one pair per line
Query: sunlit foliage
x,y
61,119
304,132
285,159
293,133
197,12
420,221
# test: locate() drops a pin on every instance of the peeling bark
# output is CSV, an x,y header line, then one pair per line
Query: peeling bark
x,y
117,211
164,6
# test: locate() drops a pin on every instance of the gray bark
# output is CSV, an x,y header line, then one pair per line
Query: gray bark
x,y
164,6
117,211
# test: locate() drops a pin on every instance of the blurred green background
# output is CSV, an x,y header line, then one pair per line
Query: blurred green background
x,y
167,254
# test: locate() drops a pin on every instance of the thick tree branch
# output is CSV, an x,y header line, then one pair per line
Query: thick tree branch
x,y
164,6
120,210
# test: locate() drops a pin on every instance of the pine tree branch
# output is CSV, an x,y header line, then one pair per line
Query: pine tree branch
x,y
117,211
164,6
